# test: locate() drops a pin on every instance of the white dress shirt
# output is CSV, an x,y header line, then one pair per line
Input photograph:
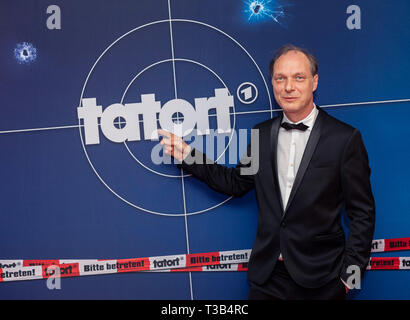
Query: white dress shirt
x,y
291,146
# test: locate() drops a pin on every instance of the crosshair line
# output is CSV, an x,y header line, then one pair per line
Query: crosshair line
x,y
172,50
182,170
41,129
214,115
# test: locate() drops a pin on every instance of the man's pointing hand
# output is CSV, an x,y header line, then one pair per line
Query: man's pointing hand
x,y
174,145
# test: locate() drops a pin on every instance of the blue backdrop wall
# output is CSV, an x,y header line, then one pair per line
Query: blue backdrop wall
x,y
61,198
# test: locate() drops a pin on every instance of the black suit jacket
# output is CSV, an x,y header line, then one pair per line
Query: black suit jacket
x,y
333,175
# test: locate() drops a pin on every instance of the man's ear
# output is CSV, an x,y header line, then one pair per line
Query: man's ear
x,y
315,82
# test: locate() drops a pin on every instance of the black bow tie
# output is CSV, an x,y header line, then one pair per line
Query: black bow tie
x,y
290,126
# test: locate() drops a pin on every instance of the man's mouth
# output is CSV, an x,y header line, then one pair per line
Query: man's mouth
x,y
290,98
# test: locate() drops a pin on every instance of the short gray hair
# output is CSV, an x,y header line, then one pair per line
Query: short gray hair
x,y
290,47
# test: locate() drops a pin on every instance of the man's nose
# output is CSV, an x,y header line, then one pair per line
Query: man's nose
x,y
289,85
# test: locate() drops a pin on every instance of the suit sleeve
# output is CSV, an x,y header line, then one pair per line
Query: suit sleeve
x,y
359,205
234,181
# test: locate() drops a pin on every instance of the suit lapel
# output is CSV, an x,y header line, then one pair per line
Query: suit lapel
x,y
274,147
307,155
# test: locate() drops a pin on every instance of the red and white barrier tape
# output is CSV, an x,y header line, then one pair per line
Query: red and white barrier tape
x,y
389,263
386,245
15,270
236,260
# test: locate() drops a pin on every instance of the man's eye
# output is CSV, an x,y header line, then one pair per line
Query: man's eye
x,y
279,79
300,78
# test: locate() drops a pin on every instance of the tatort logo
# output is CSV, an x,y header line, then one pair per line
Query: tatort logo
x,y
150,110
166,263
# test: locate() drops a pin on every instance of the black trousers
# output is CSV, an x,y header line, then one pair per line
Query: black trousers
x,y
280,286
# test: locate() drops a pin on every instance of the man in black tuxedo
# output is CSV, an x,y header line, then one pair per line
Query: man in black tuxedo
x,y
311,168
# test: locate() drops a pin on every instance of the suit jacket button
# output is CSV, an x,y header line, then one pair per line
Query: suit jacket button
x,y
283,224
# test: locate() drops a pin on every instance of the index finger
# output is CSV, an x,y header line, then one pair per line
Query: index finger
x,y
164,133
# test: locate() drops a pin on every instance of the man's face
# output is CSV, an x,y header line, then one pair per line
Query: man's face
x,y
293,84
